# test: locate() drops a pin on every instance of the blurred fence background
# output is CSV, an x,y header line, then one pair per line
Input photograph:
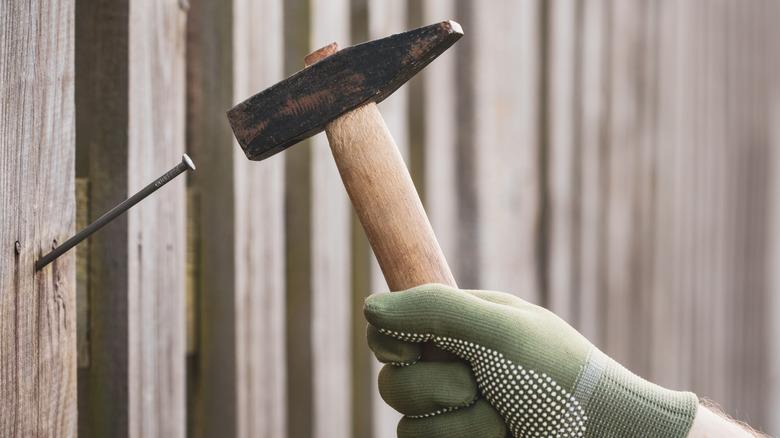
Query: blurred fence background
x,y
616,161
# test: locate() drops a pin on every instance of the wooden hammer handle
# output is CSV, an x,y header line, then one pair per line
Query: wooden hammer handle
x,y
386,201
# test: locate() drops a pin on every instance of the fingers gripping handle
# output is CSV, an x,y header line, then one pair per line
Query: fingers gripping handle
x,y
386,201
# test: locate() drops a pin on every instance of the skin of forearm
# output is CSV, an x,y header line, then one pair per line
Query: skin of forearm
x,y
709,424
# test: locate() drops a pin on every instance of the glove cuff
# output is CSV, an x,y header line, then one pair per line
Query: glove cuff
x,y
622,404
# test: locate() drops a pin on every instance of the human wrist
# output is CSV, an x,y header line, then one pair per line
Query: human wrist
x,y
710,422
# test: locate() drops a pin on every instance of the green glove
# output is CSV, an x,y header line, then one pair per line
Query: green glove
x,y
524,372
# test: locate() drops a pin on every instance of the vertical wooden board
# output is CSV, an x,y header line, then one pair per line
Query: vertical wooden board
x,y
640,282
102,129
707,287
619,159
710,74
37,208
466,265
439,141
130,115
330,265
506,136
772,311
156,230
748,123
385,18
665,368
213,380
561,107
259,224
589,167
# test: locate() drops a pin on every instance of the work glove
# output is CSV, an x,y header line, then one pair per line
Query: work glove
x,y
523,372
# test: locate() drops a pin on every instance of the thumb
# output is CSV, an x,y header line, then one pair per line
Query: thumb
x,y
418,314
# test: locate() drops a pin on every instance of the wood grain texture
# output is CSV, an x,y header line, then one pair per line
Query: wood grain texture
x,y
773,259
301,105
619,154
259,224
506,137
667,153
213,381
562,115
589,214
331,296
386,17
37,209
439,116
385,200
156,230
130,114
101,129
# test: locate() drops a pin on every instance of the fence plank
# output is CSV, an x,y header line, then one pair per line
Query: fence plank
x,y
156,231
773,259
506,141
130,111
259,203
561,107
330,265
619,153
440,137
101,128
213,381
37,208
589,137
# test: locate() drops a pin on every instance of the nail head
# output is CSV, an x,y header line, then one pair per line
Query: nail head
x,y
188,161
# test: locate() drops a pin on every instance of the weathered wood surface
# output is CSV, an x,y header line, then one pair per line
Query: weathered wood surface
x,y
301,105
658,190
439,139
331,298
259,202
37,209
608,159
213,380
156,230
560,115
130,117
259,230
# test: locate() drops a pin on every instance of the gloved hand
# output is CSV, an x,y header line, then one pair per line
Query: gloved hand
x,y
524,372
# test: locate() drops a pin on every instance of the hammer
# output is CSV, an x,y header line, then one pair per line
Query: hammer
x,y
338,92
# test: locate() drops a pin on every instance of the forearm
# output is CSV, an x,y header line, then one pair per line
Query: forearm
x,y
709,424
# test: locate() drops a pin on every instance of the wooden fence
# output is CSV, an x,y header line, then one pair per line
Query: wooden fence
x,y
616,161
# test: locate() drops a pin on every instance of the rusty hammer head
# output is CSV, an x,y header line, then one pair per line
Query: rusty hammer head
x,y
303,104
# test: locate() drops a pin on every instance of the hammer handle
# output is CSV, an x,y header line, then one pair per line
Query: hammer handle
x,y
386,201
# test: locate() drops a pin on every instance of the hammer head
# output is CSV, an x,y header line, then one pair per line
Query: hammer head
x,y
301,105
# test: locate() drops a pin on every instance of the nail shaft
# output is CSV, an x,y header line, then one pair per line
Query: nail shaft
x,y
186,164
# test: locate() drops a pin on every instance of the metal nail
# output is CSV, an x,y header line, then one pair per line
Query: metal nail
x,y
186,164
